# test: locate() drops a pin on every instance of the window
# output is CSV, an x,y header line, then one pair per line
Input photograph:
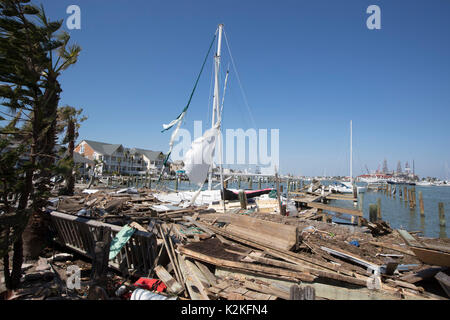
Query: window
x,y
82,148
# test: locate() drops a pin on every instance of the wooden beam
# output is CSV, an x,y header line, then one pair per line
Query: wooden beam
x,y
322,206
192,284
172,285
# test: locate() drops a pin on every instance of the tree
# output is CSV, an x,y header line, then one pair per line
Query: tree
x,y
32,57
69,120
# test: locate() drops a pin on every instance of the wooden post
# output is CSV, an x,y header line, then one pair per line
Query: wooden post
x,y
441,214
361,202
379,209
250,183
243,199
100,265
176,183
278,193
410,198
405,194
373,212
422,210
239,182
259,184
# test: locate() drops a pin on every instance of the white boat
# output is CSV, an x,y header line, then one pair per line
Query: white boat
x,y
347,186
424,183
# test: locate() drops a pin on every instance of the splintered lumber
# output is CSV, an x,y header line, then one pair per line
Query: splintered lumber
x,y
209,276
236,291
283,254
444,281
432,257
335,196
323,290
426,253
172,285
322,206
392,247
422,274
193,285
270,233
211,251
171,255
409,239
320,273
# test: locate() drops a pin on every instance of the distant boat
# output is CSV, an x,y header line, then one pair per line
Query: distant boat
x,y
347,186
231,194
424,184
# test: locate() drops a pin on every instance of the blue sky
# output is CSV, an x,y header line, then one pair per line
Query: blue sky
x,y
307,68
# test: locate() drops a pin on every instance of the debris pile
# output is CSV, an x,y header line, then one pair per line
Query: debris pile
x,y
128,245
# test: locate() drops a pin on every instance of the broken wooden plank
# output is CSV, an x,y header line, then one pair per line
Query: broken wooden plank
x,y
322,206
323,290
270,233
209,276
392,247
432,257
246,266
444,281
422,274
192,284
172,285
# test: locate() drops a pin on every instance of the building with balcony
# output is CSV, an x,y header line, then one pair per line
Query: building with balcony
x,y
115,158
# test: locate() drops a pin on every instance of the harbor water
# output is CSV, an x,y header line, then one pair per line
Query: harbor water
x,y
394,210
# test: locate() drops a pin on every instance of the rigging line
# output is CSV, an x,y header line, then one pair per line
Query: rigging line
x,y
239,80
179,119
210,94
196,81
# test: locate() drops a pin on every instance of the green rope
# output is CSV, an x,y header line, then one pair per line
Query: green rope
x,y
196,82
189,101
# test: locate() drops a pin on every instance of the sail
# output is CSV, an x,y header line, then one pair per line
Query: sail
x,y
200,156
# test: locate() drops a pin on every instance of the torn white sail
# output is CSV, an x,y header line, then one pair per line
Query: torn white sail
x,y
200,156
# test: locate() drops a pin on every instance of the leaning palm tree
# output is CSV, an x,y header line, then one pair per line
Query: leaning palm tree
x,y
33,54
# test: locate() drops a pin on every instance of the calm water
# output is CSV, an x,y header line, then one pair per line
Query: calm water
x,y
397,212
393,210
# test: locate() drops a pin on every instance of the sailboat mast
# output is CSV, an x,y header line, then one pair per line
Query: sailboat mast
x,y
216,101
351,152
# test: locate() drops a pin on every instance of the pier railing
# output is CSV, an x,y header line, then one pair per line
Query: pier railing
x,y
77,233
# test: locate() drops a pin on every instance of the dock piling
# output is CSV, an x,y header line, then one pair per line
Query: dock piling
x,y
373,212
379,209
441,214
422,210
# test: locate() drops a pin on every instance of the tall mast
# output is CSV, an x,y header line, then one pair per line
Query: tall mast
x,y
216,101
351,152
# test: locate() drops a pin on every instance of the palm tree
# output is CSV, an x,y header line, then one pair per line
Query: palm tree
x,y
32,57
69,119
